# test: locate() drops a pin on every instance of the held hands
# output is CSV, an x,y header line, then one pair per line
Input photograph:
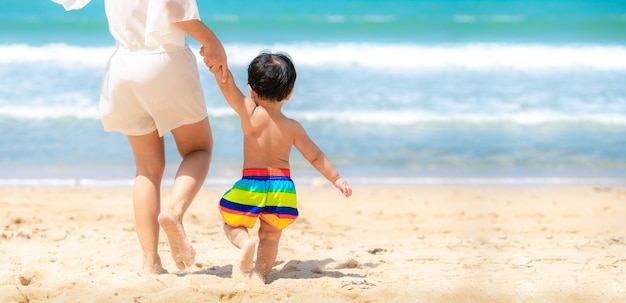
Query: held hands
x,y
343,186
215,61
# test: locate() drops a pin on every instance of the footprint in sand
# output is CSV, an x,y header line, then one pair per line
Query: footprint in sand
x,y
351,263
183,253
357,284
24,281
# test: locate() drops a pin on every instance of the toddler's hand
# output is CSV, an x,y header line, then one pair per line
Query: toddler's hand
x,y
215,65
343,186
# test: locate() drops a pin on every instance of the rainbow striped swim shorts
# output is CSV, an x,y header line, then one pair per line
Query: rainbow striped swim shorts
x,y
266,193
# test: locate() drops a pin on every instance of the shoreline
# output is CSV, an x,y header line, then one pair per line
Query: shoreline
x,y
319,181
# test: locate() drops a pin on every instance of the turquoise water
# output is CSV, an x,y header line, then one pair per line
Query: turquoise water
x,y
393,91
400,21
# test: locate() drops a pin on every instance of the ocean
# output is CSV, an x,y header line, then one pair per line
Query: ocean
x,y
394,92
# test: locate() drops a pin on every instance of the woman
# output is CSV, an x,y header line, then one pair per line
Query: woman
x,y
151,87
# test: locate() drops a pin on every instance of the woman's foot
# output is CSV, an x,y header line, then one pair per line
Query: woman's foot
x,y
182,251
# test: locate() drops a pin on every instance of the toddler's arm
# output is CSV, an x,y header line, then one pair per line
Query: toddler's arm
x,y
318,159
234,97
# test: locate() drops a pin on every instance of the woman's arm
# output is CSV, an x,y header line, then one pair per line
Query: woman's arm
x,y
212,49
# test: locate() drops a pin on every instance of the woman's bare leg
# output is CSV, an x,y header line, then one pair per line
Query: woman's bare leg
x,y
149,154
241,239
268,248
195,144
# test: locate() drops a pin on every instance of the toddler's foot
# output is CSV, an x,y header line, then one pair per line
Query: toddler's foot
x,y
247,256
183,253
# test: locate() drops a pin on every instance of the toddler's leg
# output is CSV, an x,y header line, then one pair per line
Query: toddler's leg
x,y
268,248
240,238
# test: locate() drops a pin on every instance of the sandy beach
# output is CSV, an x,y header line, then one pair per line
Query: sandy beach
x,y
384,244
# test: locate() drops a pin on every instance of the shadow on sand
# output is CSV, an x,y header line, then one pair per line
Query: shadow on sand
x,y
293,269
309,269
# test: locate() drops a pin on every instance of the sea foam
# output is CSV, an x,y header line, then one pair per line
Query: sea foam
x,y
386,57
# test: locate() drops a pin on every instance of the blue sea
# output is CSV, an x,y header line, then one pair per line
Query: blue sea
x,y
395,92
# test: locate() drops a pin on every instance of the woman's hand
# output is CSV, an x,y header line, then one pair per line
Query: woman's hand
x,y
215,60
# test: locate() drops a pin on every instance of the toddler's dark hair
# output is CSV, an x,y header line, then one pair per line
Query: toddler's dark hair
x,y
272,76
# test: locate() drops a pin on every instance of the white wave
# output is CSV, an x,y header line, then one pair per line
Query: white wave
x,y
407,117
386,57
48,112
39,112
489,19
59,54
381,117
433,57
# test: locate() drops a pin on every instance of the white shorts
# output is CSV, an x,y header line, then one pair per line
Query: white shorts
x,y
143,92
